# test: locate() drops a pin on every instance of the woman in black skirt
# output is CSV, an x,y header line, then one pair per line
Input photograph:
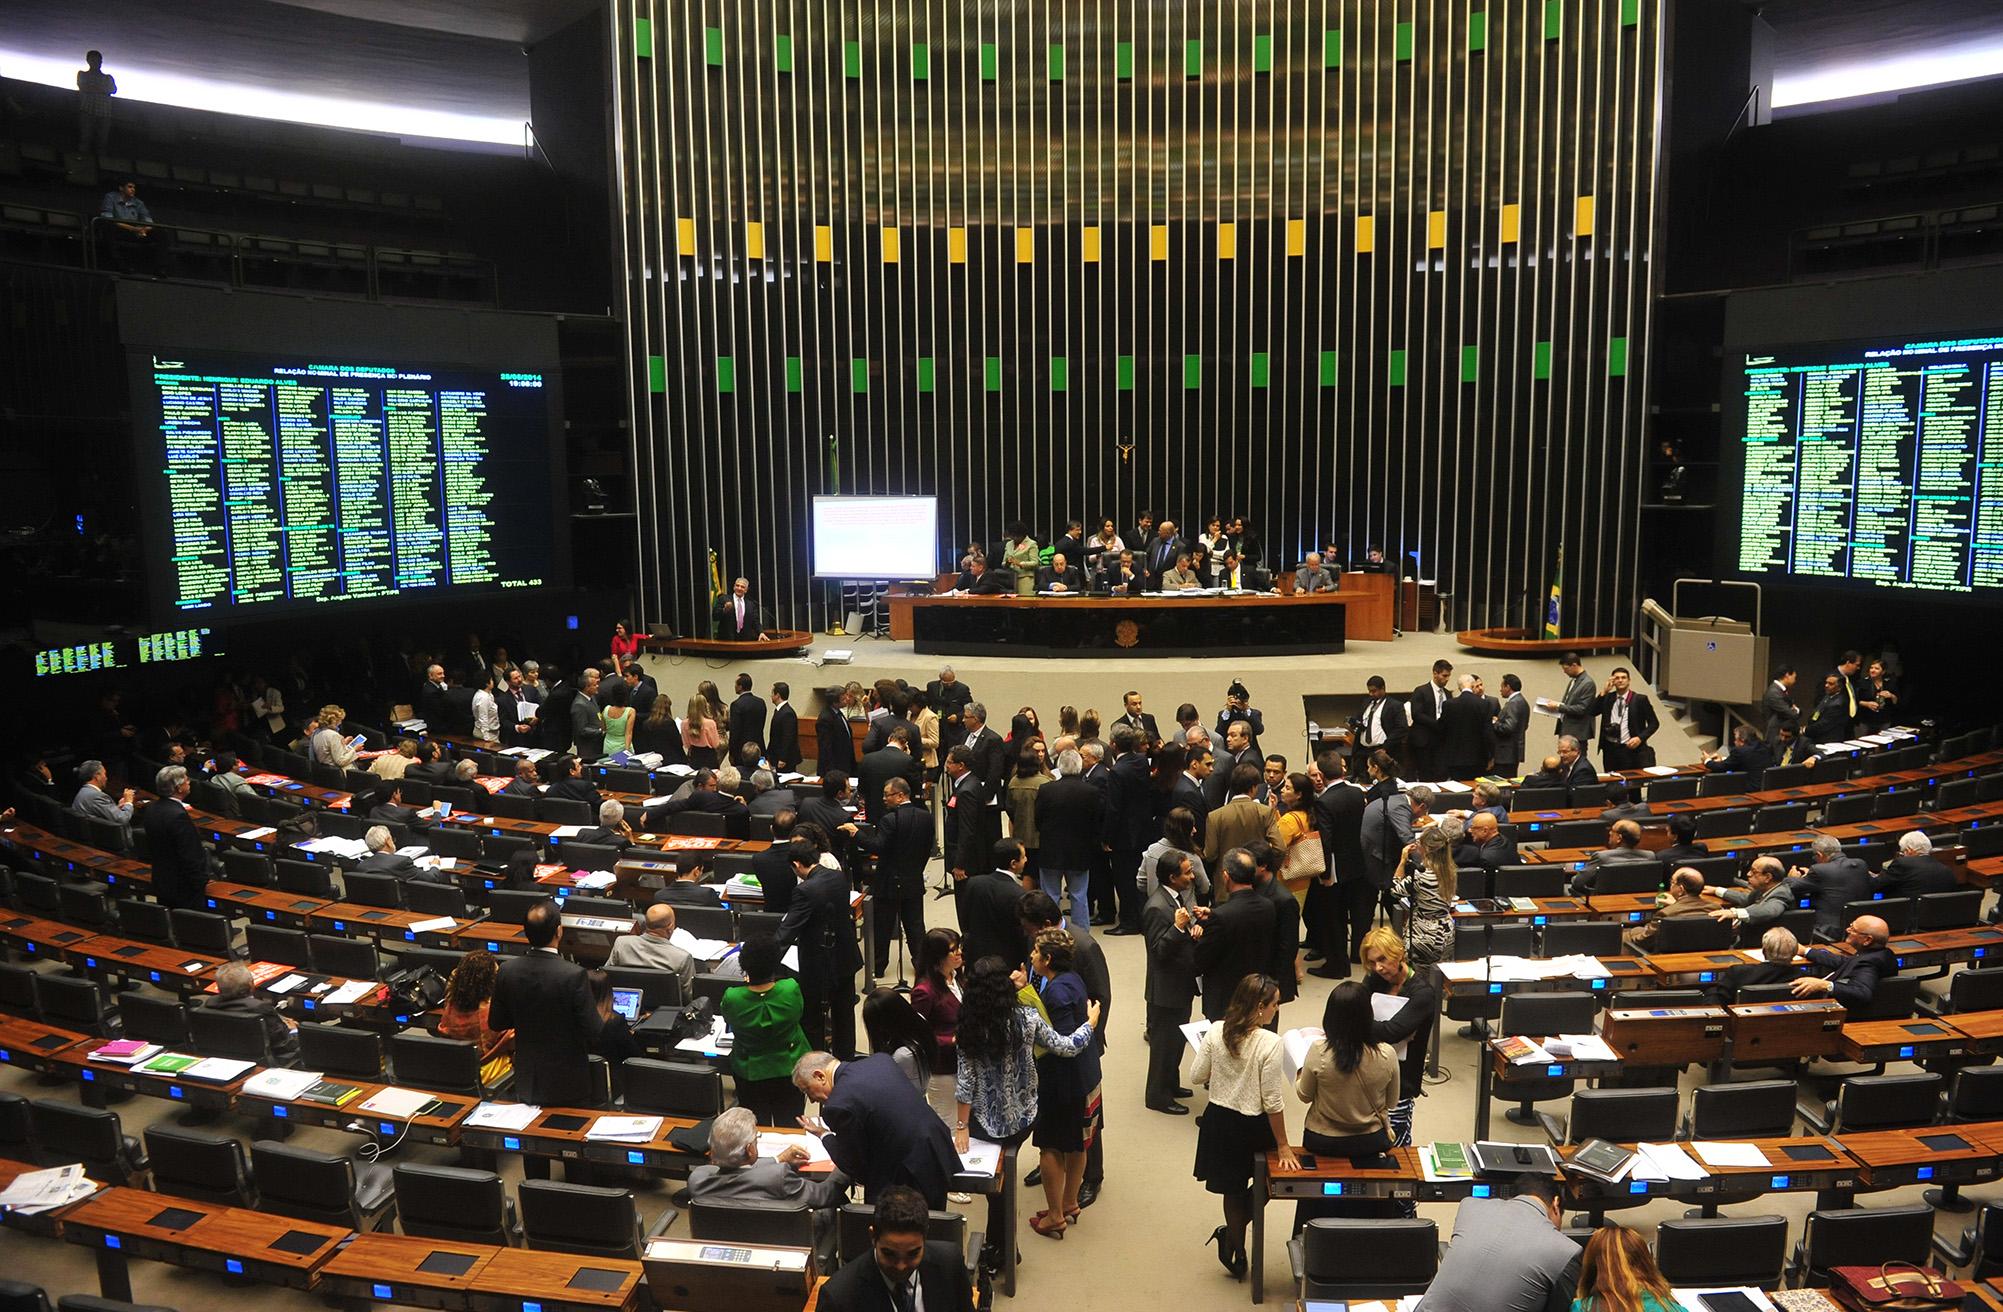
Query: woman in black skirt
x,y
1241,1062
1067,1088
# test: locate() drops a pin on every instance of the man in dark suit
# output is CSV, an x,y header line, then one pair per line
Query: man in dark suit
x,y
180,862
546,1001
1830,721
1162,549
688,889
383,858
1130,826
1464,732
1914,872
901,841
431,706
980,580
1427,707
430,766
901,1266
774,866
1237,935
1284,965
1749,756
735,618
1172,932
984,751
1623,847
518,711
1070,814
893,760
782,739
567,782
1380,726
1778,947
880,1131
1575,770
1133,717
1853,979
640,690
236,995
768,798
1352,905
611,829
1777,705
1831,884
553,715
706,798
829,811
1237,750
988,905
947,696
747,719
821,923
968,841
389,807
1627,722
1509,727
1486,845
834,747
1189,791
1060,576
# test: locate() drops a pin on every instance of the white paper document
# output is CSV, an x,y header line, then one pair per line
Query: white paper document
x,y
1294,1045
265,831
1194,1032
219,1070
1666,1161
981,1157
504,1115
395,1102
279,1084
440,923
286,985
771,1142
624,1129
566,831
40,1191
1580,1047
1383,1006
353,991
1730,1154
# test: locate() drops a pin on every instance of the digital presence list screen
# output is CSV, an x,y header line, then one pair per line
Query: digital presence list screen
x,y
298,482
1874,463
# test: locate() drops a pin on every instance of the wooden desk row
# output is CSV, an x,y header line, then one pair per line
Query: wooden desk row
x,y
1798,840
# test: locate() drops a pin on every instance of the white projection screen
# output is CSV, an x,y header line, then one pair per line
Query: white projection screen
x,y
895,538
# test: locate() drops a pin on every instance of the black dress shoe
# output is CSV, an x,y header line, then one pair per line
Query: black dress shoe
x,y
1312,954
1181,1092
1329,972
1121,929
1088,1194
1034,1178
1166,1108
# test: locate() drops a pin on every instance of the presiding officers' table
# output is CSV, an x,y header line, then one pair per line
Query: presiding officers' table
x,y
1167,625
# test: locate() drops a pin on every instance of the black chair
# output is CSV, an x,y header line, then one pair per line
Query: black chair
x,y
752,923
706,922
17,1136
155,1020
752,1223
453,1203
671,1088
1593,938
1853,808
191,1164
1540,799
77,1004
427,1061
564,811
353,958
586,1219
277,944
1895,999
341,1050
149,922
442,960
1725,1250
66,1132
605,908
1472,942
430,899
1693,934
1975,1095
1725,784
1960,909
713,987
1671,790
304,878
38,894
459,844
585,856
1896,912
236,1035
1724,824
728,865
1619,1115
87,905
19,993
1970,990
852,1237
105,835
1984,841
1780,819
504,807
1629,877
1897,804
658,988
1718,871
325,1187
201,931
511,906
1756,1109
1350,1260
1860,1236
1538,1015
1574,833
1530,881
1784,776
1752,993
702,824
1981,1248
373,888
1954,794
1877,1102
18,1296
500,849
251,868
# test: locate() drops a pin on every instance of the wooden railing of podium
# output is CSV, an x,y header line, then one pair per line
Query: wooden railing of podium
x,y
1369,602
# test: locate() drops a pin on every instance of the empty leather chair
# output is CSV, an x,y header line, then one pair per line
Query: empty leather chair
x,y
1630,877
192,1164
77,1004
353,958
1878,1102
1540,1015
200,931
156,1020
1341,1259
277,944
1861,1236
237,1035
1726,1250
1980,1249
1593,938
19,1296
66,1132
587,1219
1692,934
341,1050
671,1088
92,1303
452,1202
368,889
1618,1115
425,1061
326,1187
16,1133
706,922
149,922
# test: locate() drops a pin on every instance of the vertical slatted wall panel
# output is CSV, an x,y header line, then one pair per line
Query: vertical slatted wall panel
x,y
1361,270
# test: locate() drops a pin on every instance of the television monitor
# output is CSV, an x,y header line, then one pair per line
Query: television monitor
x,y
866,537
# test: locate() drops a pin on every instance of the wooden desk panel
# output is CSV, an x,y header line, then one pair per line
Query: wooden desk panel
x,y
1399,1180
33,1046
1930,1154
513,1275
272,906
1902,1040
1666,1036
1631,907
230,1240
106,955
384,1268
1784,1031
1839,1170
1984,1029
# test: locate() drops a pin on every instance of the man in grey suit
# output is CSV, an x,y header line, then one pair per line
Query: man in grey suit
x,y
1778,704
1762,902
1171,932
736,1174
651,950
587,729
92,800
1509,726
1313,576
1508,1255
1623,845
1831,884
1579,705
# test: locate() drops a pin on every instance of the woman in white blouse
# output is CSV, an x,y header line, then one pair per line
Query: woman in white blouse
x,y
1240,1061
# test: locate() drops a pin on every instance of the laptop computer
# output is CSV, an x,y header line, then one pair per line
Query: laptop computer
x,y
627,1003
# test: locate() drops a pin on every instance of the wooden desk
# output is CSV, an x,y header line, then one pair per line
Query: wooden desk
x,y
441,1127
33,1046
1983,1028
36,938
1784,1173
524,1279
1631,907
46,1224
1702,967
1903,1040
1786,1031
1331,1177
386,1268
1148,626
498,937
382,924
1494,1068
1620,971
273,906
1942,947
46,849
1666,1036
120,1224
107,956
1934,1154
96,1077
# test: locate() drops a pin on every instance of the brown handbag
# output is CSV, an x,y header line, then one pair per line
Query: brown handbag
x,y
1895,1287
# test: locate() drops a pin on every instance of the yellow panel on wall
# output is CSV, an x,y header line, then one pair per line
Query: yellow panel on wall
x,y
1366,233
824,244
1297,236
1025,245
890,246
1582,221
1158,241
1088,244
754,240
956,245
1227,241
685,236
1436,230
1512,222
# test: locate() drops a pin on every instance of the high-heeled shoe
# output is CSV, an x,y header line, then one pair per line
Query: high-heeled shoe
x,y
1239,1265
1217,1237
1053,1230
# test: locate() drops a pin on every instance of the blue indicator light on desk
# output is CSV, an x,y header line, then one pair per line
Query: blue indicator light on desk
x,y
1637,1187
383,1292
1780,1181
1482,1191
6,1056
113,1241
1981,952
1538,920
281,1111
386,1127
1495,988
1332,1188
1926,1173
1706,976
311,1005
410,936
1907,1049
1634,915
340,928
233,1266
88,1076
176,1091
1554,1071
1599,983
531,1307
494,948
271,915
636,1158
154,975
512,1144
33,948
488,884
90,963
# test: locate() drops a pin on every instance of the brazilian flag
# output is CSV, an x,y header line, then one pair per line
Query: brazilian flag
x,y
1553,605
716,588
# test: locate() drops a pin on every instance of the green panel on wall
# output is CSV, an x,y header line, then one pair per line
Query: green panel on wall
x,y
858,375
1123,60
1328,372
1617,357
782,52
1398,368
712,45
1331,48
643,38
1192,59
1540,360
1630,12
1125,372
1470,364
1056,61
1401,47
796,374
921,62
928,373
1554,19
991,373
990,61
852,58
657,373
1262,368
1060,374
726,374
1192,371
1477,30
1262,53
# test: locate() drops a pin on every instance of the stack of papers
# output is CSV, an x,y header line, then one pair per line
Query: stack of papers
x,y
399,1103
286,985
594,881
279,1084
1730,1154
1506,969
354,849
702,949
437,924
1445,1161
624,1129
167,1063
526,753
39,1191
254,834
353,991
566,831
1580,1047
1294,1045
1664,1161
744,885
1194,1032
219,1070
1383,1006
504,1115
770,1143
981,1157
1658,770
125,1052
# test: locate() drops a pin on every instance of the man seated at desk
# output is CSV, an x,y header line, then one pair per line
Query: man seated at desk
x,y
1508,1254
383,858
1119,574
1686,898
737,1174
1238,573
1485,845
689,889
1058,576
977,580
1914,872
1749,756
1831,884
1550,775
1623,802
1313,576
567,782
611,829
1683,844
1852,978
705,798
235,994
1181,578
1766,897
650,949
1624,845
524,782
903,1270
1778,947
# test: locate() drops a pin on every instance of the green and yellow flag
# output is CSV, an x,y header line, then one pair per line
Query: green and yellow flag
x,y
1553,605
716,588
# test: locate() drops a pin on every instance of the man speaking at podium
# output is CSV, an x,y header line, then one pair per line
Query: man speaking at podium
x,y
735,618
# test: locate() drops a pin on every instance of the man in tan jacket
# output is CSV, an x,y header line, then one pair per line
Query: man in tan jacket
x,y
1686,898
1240,821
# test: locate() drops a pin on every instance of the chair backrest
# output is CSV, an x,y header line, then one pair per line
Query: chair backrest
x,y
706,922
85,904
1671,790
606,908
1896,912
702,824
1591,937
1976,1095
277,944
713,987
16,1134
1849,809
1748,994
1780,819
1900,802
1722,1250
432,899
1757,1109
452,1202
305,1185
564,811
1374,1258
750,924
430,1062
192,1164
304,878
1549,1013
355,958
500,849
1724,785
1784,776
511,906
1959,909
18,990
671,1088
1975,990
1987,840
580,1218
1574,833
76,1003
1864,1236
588,856
154,1020
1630,877
242,867
416,792
1472,942
1530,881
1588,795
1539,799
1894,999
1693,934
1886,1102
70,1132
38,893
372,888
1718,871
149,922
1473,882
1623,1115
852,1237
658,988
1724,824
511,808
752,1223
229,1034
341,1050
725,865
460,844
203,931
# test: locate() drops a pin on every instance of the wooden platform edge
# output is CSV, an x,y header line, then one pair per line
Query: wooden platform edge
x,y
1518,642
